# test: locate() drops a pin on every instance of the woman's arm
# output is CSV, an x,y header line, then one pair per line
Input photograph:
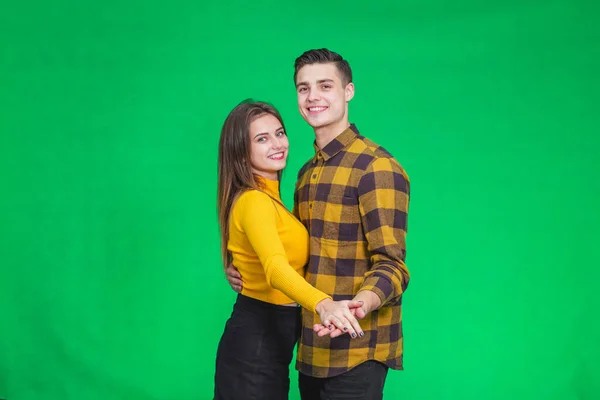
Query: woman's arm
x,y
257,216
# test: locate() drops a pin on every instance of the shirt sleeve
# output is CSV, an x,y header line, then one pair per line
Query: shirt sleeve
x,y
384,192
258,220
295,210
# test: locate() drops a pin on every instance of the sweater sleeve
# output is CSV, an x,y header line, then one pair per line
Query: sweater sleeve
x,y
257,217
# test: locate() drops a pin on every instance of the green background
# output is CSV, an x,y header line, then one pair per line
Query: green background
x,y
110,112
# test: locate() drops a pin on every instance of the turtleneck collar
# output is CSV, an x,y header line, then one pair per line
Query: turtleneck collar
x,y
269,185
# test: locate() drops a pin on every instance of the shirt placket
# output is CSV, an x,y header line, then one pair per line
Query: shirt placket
x,y
313,180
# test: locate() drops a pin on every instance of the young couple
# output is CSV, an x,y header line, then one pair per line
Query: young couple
x,y
331,273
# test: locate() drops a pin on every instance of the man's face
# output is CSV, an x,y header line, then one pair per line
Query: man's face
x,y
322,97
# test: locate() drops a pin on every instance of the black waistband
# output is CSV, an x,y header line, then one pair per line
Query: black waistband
x,y
259,305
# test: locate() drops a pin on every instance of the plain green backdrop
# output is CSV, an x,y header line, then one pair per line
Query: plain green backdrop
x,y
110,112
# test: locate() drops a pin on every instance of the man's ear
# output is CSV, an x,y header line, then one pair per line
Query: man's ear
x,y
349,91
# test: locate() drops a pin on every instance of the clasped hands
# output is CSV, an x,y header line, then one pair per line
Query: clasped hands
x,y
337,317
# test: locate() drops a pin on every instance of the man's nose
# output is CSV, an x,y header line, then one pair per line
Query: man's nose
x,y
314,95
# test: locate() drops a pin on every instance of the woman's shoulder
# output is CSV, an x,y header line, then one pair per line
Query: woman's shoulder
x,y
253,198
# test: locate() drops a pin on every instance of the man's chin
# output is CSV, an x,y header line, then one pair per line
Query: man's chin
x,y
316,124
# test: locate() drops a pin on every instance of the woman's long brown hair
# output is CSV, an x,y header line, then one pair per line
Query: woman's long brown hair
x,y
234,169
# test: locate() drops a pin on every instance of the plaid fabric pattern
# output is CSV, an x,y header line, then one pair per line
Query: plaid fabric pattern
x,y
353,198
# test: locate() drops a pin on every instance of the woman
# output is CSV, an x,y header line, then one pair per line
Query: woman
x,y
269,247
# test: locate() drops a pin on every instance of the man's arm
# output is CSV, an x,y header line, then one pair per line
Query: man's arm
x,y
234,278
383,203
295,209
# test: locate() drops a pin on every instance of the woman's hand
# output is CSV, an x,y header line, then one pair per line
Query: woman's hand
x,y
367,301
338,314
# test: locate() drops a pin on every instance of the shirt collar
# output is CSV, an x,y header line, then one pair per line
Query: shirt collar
x,y
336,145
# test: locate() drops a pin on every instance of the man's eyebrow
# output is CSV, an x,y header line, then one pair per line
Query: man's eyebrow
x,y
318,82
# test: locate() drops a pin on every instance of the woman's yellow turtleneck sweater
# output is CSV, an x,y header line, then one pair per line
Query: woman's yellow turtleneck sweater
x,y
270,249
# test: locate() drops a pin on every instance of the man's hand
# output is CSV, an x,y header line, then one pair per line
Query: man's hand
x,y
234,278
370,302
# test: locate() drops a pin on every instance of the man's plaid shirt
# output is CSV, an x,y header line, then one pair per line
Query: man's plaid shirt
x,y
353,198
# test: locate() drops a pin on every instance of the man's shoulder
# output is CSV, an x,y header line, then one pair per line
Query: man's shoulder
x,y
370,148
370,152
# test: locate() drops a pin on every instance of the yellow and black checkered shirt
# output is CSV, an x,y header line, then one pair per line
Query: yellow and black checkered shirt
x,y
353,198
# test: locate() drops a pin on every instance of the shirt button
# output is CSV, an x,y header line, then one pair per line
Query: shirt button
x,y
310,206
314,176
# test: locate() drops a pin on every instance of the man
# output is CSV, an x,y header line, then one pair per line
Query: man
x,y
353,198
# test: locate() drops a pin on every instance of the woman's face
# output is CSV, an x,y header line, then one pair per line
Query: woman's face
x,y
268,146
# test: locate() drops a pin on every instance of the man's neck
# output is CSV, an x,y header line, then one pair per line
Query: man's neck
x,y
324,135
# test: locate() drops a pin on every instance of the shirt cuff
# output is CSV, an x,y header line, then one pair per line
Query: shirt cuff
x,y
382,287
